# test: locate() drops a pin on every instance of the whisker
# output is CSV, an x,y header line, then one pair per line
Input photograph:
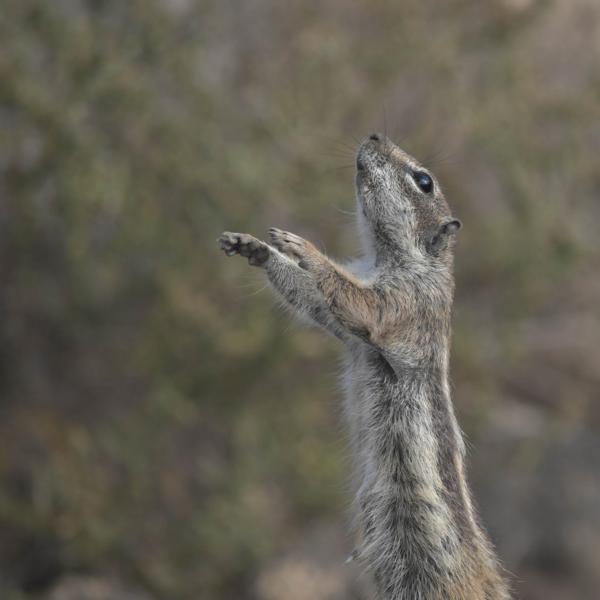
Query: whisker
x,y
337,153
352,213
264,287
440,157
330,169
339,142
245,286
343,151
384,122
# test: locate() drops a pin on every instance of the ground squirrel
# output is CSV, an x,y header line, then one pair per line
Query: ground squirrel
x,y
419,537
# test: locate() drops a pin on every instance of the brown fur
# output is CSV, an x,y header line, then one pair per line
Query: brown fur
x,y
419,534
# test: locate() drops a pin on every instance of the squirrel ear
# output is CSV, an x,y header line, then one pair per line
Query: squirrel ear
x,y
450,227
440,240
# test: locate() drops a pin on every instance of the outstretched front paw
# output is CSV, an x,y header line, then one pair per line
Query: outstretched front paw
x,y
295,247
253,249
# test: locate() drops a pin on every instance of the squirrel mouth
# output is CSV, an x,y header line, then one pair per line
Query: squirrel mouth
x,y
362,159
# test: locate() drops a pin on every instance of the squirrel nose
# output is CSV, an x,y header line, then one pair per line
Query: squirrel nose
x,y
376,137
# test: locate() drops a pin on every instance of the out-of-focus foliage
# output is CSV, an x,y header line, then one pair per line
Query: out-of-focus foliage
x,y
161,422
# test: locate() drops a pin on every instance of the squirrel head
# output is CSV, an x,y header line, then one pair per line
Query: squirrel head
x,y
401,205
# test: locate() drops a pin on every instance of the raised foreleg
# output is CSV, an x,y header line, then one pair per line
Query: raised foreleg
x,y
363,310
294,284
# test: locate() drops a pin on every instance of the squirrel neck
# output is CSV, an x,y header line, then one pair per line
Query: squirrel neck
x,y
388,255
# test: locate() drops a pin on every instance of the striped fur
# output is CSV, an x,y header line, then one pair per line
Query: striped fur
x,y
418,534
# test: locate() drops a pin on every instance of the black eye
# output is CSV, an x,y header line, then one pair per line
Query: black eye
x,y
423,180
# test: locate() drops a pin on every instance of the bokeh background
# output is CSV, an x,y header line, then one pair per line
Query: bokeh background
x,y
166,431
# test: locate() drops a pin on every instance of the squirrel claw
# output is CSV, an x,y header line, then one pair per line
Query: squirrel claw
x,y
254,250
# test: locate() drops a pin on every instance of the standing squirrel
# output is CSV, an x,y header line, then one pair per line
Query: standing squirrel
x,y
419,535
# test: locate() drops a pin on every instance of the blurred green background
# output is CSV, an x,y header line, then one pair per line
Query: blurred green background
x,y
166,431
